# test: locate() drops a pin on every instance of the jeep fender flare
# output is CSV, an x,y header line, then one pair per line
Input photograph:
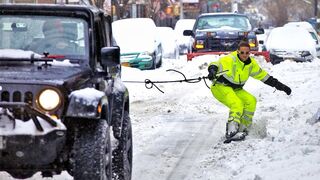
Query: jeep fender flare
x,y
120,104
96,107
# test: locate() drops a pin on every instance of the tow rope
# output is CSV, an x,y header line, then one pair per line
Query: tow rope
x,y
150,84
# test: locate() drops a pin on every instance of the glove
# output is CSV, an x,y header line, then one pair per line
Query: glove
x,y
212,72
282,87
273,82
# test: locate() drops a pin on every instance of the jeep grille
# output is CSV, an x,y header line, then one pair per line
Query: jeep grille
x,y
17,96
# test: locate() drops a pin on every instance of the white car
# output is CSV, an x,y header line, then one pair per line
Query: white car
x,y
140,47
169,42
283,46
262,39
310,29
184,42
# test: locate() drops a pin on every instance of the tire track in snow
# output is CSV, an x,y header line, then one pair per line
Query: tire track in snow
x,y
200,143
177,143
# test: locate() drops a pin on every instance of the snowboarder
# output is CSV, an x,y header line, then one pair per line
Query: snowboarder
x,y
228,88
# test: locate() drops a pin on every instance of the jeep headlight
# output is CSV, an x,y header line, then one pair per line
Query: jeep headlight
x,y
49,99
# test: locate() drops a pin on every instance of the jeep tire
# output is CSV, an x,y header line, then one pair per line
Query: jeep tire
x,y
122,155
92,151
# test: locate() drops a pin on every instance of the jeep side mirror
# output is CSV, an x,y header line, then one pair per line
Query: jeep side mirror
x,y
110,56
188,33
259,31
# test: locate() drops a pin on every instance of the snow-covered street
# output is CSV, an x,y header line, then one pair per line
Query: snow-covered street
x,y
179,134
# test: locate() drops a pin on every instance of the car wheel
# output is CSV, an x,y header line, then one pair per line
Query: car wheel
x,y
21,174
122,155
160,59
154,61
160,62
275,59
154,65
91,153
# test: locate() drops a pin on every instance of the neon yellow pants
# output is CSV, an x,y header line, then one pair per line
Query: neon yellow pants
x,y
242,104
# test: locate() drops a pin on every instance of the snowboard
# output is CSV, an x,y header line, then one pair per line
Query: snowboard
x,y
240,136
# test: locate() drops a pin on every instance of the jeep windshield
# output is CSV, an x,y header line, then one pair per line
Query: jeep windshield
x,y
223,22
60,37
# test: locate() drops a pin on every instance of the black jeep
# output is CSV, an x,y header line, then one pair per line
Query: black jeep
x,y
221,32
63,105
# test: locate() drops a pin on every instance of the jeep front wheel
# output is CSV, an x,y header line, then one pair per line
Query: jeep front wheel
x,y
92,151
122,155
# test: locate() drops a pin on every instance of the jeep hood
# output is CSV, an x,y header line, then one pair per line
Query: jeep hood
x,y
54,75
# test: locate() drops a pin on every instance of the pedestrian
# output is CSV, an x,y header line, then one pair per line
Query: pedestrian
x,y
227,88
107,7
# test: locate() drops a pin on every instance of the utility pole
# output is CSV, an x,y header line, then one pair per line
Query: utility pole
x,y
181,9
315,8
134,13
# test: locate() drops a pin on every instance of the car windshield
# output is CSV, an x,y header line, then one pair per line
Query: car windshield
x,y
224,21
63,36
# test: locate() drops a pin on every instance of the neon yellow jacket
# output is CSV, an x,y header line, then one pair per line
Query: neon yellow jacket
x,y
238,72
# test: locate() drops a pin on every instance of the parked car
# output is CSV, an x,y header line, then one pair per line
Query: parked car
x,y
184,42
310,29
139,44
262,39
283,46
63,106
222,32
169,42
